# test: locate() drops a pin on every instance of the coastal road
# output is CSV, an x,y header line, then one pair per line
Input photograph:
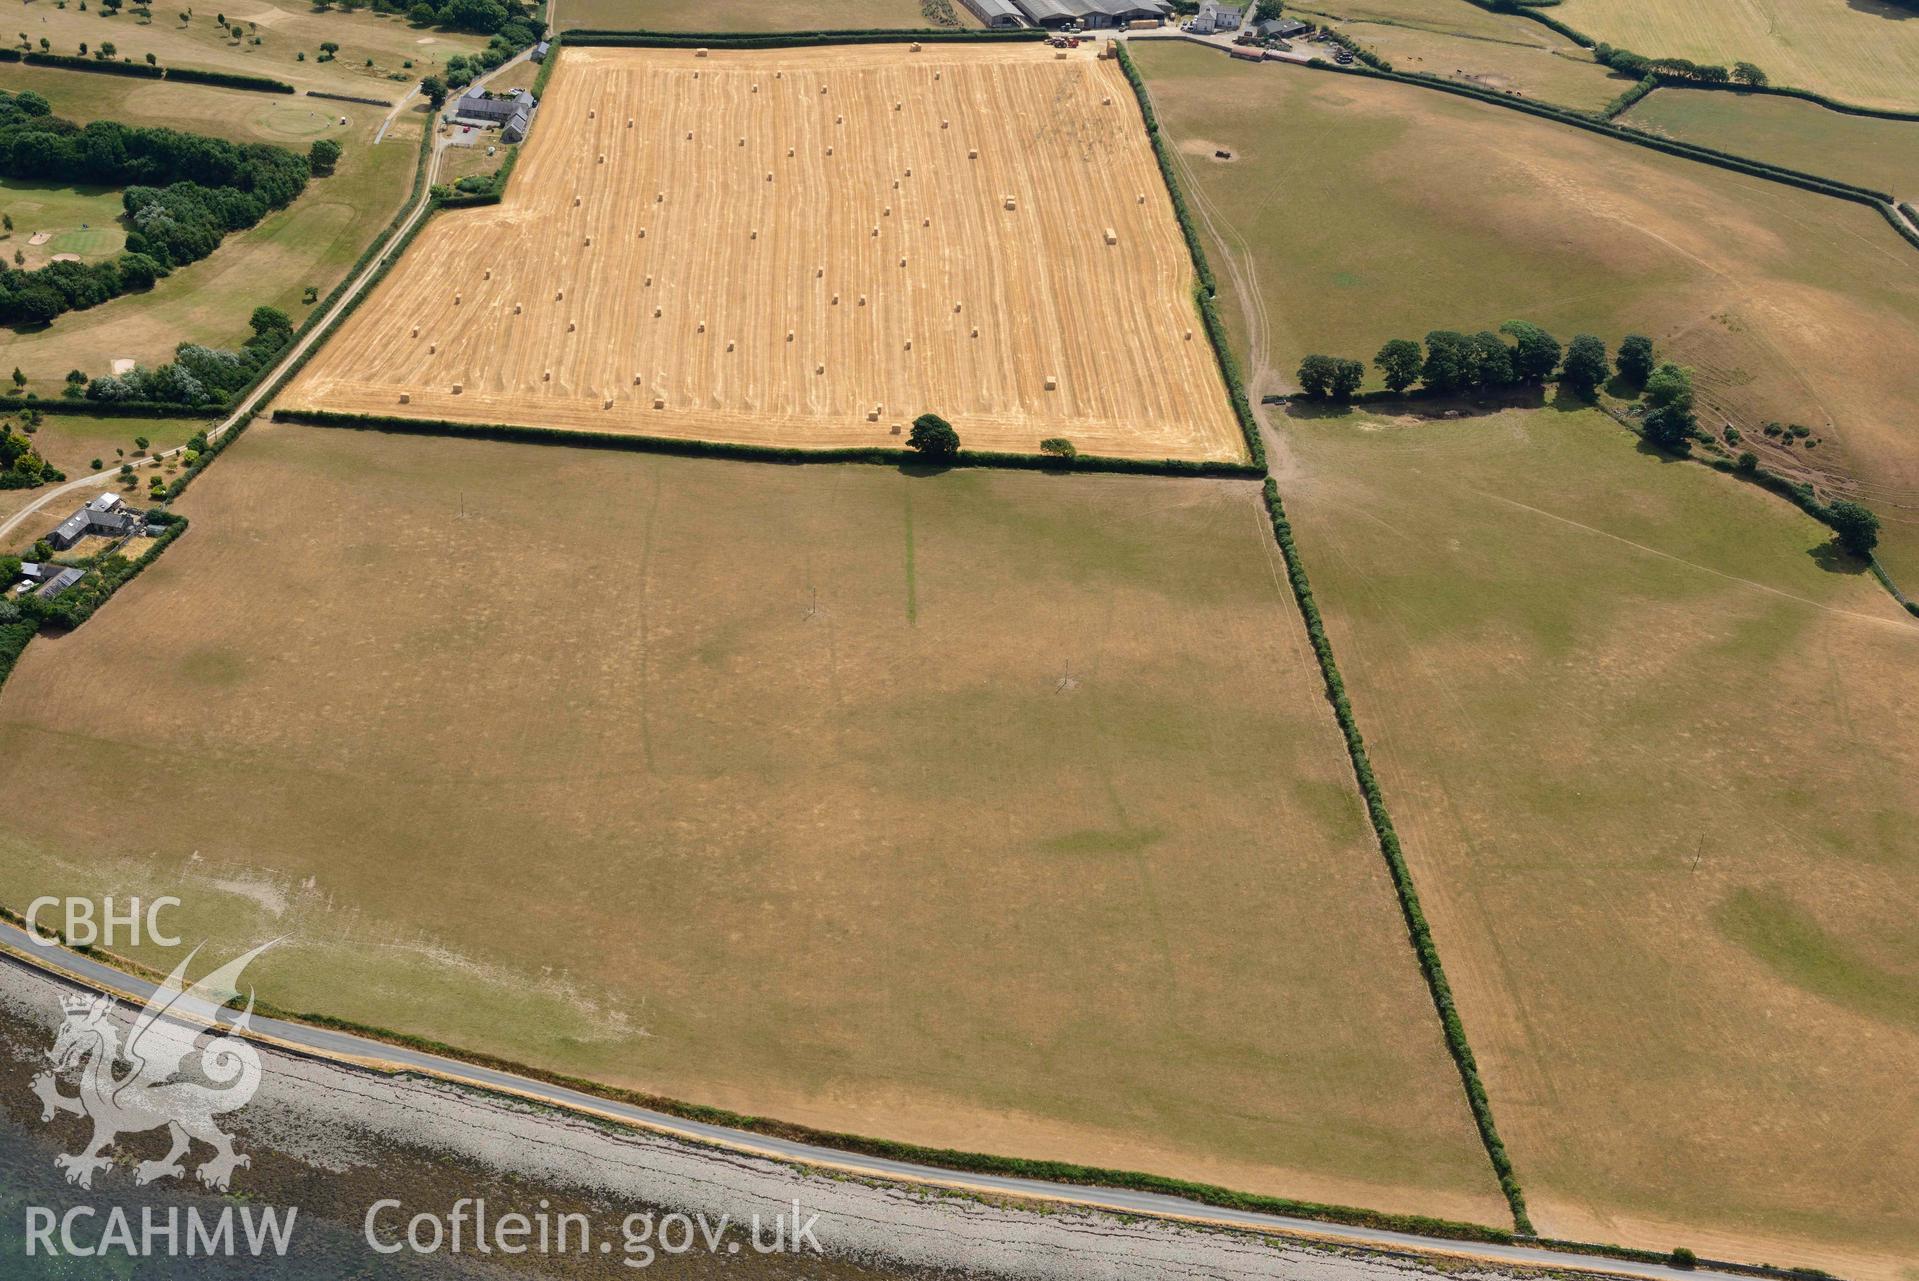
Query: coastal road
x,y
18,948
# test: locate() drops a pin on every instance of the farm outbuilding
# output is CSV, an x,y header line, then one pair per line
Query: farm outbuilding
x,y
511,112
1092,13
995,13
105,515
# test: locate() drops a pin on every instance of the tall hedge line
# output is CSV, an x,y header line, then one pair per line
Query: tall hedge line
x,y
109,408
785,39
786,455
1416,925
347,97
1900,225
67,62
228,80
1788,91
1206,287
1630,98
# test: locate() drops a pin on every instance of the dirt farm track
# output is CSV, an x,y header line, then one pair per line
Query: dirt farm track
x,y
809,247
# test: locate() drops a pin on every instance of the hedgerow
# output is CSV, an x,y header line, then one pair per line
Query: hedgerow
x,y
787,455
1878,200
1417,927
347,97
786,39
103,66
1625,101
1206,287
228,80
106,408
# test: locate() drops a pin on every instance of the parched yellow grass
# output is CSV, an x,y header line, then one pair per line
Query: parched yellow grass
x,y
809,247
1862,51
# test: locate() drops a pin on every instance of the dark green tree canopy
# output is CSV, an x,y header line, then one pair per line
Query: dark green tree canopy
x,y
1535,352
1399,362
1635,359
933,437
1856,526
1585,365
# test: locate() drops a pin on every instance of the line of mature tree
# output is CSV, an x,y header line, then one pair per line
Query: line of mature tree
x,y
482,17
183,193
1639,66
1451,363
200,375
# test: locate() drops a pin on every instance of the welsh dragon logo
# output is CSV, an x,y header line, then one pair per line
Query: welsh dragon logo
x,y
171,1080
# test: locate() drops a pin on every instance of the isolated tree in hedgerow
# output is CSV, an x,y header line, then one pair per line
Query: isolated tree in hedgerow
x,y
1315,377
1449,364
1059,447
933,437
1492,360
1669,420
1856,526
1585,365
1634,361
1748,74
1535,352
1399,362
1347,377
435,90
323,155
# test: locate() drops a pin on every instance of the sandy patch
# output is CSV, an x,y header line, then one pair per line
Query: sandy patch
x,y
1205,147
39,237
66,258
123,365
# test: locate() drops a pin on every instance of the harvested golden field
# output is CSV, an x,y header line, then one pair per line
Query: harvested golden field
x,y
1860,51
993,810
809,247
745,15
1356,228
1649,744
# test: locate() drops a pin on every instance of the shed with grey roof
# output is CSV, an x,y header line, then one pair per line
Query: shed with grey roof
x,y
996,13
59,583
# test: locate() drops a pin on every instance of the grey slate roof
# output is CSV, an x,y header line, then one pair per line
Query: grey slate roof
x,y
60,582
73,528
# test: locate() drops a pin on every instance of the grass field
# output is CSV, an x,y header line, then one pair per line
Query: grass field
x,y
1859,51
1388,211
993,810
1450,38
80,220
746,15
1881,154
311,242
285,28
1650,749
794,248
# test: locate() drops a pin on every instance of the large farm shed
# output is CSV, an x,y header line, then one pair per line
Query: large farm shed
x,y
809,247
